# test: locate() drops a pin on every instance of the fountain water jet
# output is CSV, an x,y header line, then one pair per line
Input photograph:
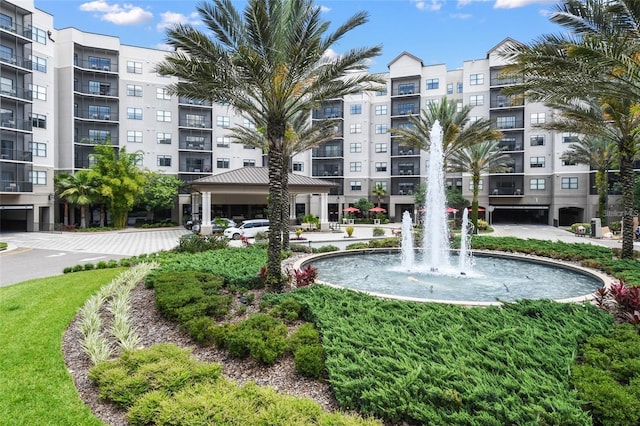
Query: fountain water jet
x,y
407,257
465,260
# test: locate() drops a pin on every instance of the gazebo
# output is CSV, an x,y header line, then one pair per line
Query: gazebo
x,y
250,185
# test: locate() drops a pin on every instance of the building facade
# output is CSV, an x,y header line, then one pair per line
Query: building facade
x,y
64,90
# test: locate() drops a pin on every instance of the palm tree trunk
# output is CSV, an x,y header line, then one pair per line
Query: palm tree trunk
x,y
83,218
474,202
65,219
602,187
626,178
274,252
285,209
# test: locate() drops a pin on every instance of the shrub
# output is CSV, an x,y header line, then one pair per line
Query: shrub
x,y
288,309
201,330
378,232
325,249
306,334
309,360
192,243
385,243
482,225
349,231
102,265
78,268
587,227
89,267
299,232
67,270
357,246
261,336
300,248
305,276
615,226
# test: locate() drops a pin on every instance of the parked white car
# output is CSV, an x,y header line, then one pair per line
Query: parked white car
x,y
217,225
249,229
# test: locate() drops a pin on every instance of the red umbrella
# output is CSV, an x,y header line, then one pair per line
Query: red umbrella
x,y
377,210
351,210
451,210
480,209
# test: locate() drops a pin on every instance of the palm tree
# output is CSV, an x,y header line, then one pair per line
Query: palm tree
x,y
269,63
599,154
477,159
62,182
379,191
458,131
82,191
597,58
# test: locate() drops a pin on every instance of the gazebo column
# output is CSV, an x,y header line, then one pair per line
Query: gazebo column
x,y
324,211
205,223
292,206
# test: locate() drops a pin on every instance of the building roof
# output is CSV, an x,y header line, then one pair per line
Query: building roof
x,y
258,176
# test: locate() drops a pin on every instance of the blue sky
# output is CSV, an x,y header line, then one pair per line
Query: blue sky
x,y
436,31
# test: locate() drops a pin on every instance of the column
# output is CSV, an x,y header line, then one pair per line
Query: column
x,y
324,212
205,224
292,206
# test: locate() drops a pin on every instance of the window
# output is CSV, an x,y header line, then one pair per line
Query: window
x,y
536,162
163,93
222,163
381,147
459,106
537,184
222,121
6,54
99,112
196,120
356,109
98,63
506,122
134,90
381,110
406,89
38,92
476,79
6,86
355,185
6,22
137,158
450,89
134,67
248,163
480,185
406,109
248,124
222,141
355,147
538,118
382,91
381,167
568,137
101,88
381,129
38,120
298,167
537,140
101,136
569,183
38,149
164,160
134,113
433,83
569,162
355,128
331,112
459,87
38,63
381,183
476,100
355,166
163,138
164,116
37,177
38,35
134,136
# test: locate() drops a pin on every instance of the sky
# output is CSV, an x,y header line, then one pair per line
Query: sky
x,y
436,31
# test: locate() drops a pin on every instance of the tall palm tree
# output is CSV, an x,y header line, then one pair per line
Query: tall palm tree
x,y
82,191
458,130
477,159
379,191
61,183
269,63
597,57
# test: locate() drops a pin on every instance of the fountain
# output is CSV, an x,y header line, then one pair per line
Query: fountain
x,y
465,259
407,254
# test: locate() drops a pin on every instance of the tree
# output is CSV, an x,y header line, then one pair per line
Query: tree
x,y
270,63
379,191
482,157
160,192
458,131
61,183
121,182
363,204
599,154
595,60
81,191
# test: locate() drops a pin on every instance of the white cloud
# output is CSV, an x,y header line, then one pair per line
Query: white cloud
x,y
325,9
512,4
330,54
164,46
119,14
169,19
431,5
460,15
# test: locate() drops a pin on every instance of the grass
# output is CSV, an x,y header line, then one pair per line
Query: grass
x,y
35,387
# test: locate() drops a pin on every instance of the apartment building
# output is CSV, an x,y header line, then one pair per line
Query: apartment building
x,y
64,90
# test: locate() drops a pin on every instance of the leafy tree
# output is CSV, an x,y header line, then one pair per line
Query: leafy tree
x,y
379,191
363,204
81,190
420,197
270,64
121,182
160,192
455,199
482,157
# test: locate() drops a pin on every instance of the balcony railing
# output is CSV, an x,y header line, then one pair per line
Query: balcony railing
x,y
16,155
113,140
193,102
509,192
17,61
327,172
508,103
111,90
26,125
509,125
327,153
17,92
196,146
321,115
103,116
15,186
17,29
505,81
100,66
196,124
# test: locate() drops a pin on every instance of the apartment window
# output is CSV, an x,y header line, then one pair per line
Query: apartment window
x,y
331,112
6,21
355,166
480,185
433,83
38,149
476,100
38,63
222,141
381,129
196,120
100,88
134,113
568,137
38,120
569,183
101,136
381,167
450,89
248,124
355,147
406,89
356,109
569,162
38,35
6,54
137,158
381,147
536,162
381,110
6,86
459,106
134,67
134,136
98,63
164,160
298,167
537,140
163,93
163,138
382,91
459,87
537,184
222,163
476,79
223,121
38,92
38,177
381,183
356,185
474,118
508,122
355,128
163,116
538,118
248,163
134,90
406,109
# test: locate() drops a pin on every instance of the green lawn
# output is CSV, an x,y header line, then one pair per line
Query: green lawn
x,y
35,387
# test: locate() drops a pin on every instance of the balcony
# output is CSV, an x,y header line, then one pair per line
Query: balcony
x,y
16,93
323,115
506,186
506,103
15,186
195,124
18,62
505,81
95,90
25,125
327,152
194,102
509,125
16,155
99,116
19,30
101,65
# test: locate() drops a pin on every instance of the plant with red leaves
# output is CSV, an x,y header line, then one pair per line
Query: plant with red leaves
x,y
305,276
620,300
245,241
263,273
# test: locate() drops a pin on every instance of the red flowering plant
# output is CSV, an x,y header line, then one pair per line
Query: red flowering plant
x,y
620,300
305,276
